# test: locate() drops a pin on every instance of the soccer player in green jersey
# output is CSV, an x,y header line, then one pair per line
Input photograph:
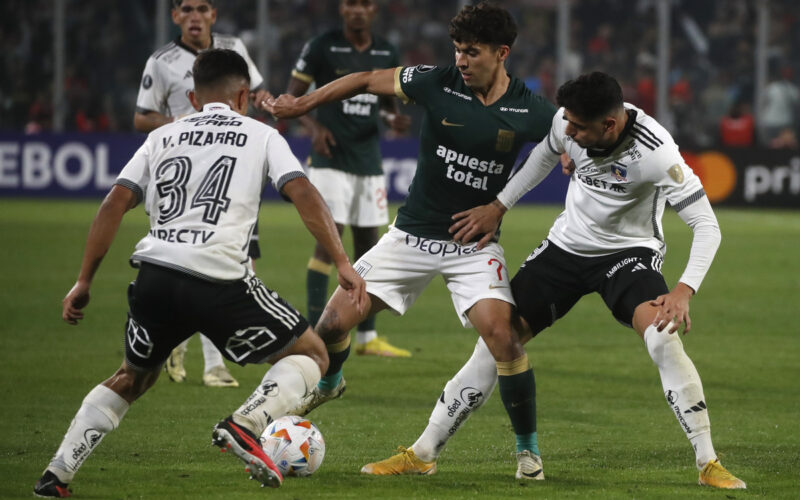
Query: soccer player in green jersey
x,y
345,162
477,118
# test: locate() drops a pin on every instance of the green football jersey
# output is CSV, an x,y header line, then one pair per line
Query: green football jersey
x,y
467,149
353,122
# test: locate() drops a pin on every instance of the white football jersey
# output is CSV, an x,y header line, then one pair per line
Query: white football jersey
x,y
201,179
167,77
616,197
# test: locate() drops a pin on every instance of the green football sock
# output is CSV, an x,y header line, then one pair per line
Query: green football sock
x,y
316,294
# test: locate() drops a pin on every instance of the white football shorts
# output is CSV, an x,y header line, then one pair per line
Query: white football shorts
x,y
354,200
399,267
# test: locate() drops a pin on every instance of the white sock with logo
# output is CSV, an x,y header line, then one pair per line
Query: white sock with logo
x,y
281,389
462,395
100,413
682,389
211,354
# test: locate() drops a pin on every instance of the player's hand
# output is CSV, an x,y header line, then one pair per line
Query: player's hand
x,y
673,307
77,298
259,98
283,106
567,165
483,220
398,122
322,140
354,285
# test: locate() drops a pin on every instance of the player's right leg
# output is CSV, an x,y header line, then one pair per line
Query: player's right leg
x,y
252,324
339,317
148,342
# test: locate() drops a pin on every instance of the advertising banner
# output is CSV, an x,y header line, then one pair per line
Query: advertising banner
x,y
86,165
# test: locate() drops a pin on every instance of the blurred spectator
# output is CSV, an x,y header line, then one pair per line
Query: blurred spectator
x,y
737,128
779,110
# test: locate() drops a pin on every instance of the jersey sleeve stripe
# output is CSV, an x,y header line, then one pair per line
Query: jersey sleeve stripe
x,y
137,190
654,215
648,133
550,144
288,177
648,143
697,195
398,89
302,76
144,111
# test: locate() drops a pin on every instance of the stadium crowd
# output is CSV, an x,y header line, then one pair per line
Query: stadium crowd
x,y
711,78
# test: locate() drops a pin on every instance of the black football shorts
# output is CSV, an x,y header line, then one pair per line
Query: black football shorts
x,y
552,280
247,321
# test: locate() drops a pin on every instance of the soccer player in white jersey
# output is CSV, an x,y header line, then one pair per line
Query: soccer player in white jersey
x,y
201,180
164,97
608,240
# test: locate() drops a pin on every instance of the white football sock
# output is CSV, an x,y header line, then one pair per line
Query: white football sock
x,y
462,395
100,413
683,390
281,389
211,354
365,336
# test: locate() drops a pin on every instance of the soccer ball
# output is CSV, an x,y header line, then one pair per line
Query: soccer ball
x,y
295,445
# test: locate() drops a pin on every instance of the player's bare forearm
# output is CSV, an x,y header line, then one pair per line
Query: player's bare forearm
x,y
149,121
101,234
379,82
104,227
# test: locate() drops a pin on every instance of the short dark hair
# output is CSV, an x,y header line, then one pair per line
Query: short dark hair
x,y
176,4
483,23
214,66
591,96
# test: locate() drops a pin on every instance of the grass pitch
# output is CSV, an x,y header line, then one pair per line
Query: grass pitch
x,y
604,428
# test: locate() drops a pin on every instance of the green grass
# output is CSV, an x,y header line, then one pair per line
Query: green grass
x,y
605,430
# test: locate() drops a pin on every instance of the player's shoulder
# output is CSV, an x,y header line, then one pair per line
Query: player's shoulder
x,y
166,53
328,38
648,133
536,103
382,46
223,41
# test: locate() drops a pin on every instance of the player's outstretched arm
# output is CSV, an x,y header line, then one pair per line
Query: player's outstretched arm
x,y
104,227
379,82
317,218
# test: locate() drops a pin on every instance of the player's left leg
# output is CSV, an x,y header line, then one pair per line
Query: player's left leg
x,y
367,340
684,394
628,293
493,318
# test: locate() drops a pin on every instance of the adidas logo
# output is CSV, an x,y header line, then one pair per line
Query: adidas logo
x,y
187,75
700,406
639,267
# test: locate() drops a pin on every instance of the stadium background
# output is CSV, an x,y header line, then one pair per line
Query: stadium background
x,y
66,129
716,73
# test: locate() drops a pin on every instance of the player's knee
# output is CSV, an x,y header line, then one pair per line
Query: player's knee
x,y
662,345
308,367
503,342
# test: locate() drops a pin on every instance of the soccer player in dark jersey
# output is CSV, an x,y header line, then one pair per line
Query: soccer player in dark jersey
x,y
345,163
200,179
477,118
609,240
